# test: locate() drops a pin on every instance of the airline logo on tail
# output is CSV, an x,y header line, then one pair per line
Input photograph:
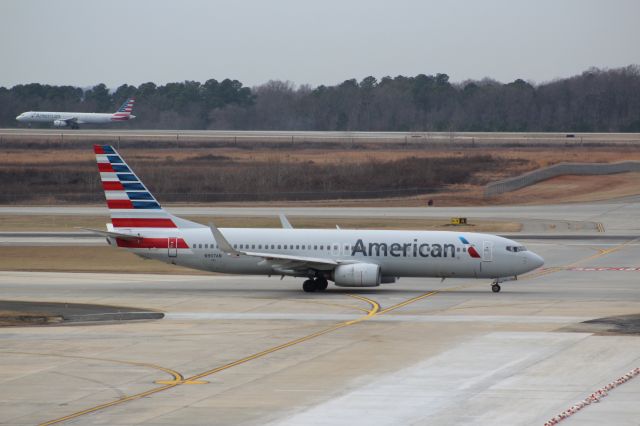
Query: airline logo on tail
x,y
124,112
130,203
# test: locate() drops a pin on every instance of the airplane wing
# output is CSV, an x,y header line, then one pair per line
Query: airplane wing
x,y
72,120
283,263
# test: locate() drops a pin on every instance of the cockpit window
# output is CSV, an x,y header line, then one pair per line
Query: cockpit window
x,y
516,249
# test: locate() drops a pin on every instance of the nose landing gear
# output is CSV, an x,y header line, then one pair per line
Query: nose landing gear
x,y
495,286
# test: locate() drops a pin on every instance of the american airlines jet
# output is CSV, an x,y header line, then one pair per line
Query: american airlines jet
x,y
349,258
74,119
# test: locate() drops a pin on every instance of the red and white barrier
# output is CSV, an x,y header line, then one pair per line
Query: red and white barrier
x,y
594,397
606,268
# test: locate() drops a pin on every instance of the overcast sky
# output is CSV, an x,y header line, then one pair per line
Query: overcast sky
x,y
83,42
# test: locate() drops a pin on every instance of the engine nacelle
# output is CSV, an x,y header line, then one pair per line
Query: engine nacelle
x,y
357,275
60,123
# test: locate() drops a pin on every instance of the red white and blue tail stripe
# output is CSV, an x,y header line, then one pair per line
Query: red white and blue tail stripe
x,y
130,203
124,112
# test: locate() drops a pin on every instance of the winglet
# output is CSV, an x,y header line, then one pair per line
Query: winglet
x,y
223,244
285,222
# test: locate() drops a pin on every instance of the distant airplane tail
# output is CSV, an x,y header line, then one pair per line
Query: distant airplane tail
x,y
124,112
131,205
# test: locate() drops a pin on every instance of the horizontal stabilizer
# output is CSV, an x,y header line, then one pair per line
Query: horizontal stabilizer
x,y
113,234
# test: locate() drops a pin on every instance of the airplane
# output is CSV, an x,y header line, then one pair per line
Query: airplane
x,y
348,258
74,119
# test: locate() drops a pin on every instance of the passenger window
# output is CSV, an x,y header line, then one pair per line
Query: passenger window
x,y
285,246
272,246
303,247
315,247
253,246
259,246
279,246
297,247
464,249
200,246
321,247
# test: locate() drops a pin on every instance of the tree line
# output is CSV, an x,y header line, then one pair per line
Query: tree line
x,y
595,101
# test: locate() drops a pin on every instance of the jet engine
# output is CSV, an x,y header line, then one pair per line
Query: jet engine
x,y
357,275
60,123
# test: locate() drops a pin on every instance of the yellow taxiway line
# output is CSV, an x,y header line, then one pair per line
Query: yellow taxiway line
x,y
174,374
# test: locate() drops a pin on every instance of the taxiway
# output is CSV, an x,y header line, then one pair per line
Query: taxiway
x,y
255,350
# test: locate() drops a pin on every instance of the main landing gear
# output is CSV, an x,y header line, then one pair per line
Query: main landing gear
x,y
495,287
317,284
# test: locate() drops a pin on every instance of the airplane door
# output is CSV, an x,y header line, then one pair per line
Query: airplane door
x,y
487,251
173,247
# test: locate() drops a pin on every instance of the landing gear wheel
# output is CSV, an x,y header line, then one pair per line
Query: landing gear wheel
x,y
495,288
321,284
309,286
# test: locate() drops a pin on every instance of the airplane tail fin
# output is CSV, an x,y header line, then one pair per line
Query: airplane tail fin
x,y
131,205
124,112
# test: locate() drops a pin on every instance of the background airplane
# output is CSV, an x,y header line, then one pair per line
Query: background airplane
x,y
349,258
74,119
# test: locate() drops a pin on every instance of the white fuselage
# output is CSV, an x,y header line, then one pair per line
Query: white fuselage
x,y
78,117
398,253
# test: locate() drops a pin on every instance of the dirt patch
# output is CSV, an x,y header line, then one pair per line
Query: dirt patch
x,y
9,318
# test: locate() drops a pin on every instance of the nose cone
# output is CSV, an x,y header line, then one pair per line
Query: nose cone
x,y
536,261
19,118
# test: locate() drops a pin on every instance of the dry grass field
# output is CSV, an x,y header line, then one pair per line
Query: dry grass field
x,y
82,259
45,172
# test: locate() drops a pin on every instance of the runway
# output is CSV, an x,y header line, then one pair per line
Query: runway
x,y
256,350
321,136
